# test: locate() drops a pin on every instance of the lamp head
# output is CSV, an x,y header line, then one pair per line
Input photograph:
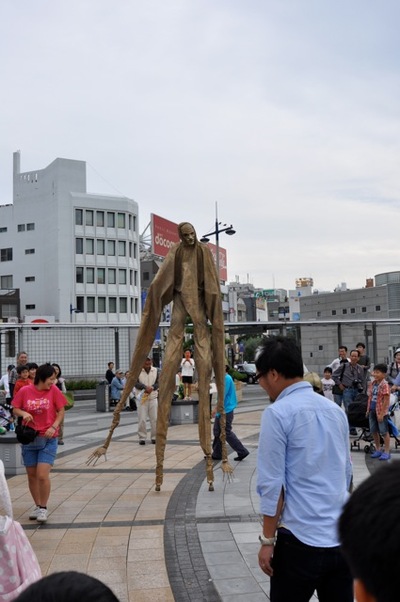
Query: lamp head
x,y
230,231
204,239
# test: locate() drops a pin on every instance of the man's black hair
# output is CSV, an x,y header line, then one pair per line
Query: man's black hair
x,y
360,345
355,351
21,368
280,354
343,347
32,365
369,531
381,368
67,586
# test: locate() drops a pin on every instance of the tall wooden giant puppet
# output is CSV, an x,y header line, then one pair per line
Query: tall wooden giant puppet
x,y
188,277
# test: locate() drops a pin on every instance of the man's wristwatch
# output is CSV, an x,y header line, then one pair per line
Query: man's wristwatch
x,y
267,541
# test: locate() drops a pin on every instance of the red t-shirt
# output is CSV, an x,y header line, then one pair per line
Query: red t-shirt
x,y
21,382
42,405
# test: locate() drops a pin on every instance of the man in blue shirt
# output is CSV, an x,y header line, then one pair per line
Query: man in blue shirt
x,y
230,403
304,473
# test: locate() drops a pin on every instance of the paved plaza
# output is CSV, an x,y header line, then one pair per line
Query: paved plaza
x,y
183,543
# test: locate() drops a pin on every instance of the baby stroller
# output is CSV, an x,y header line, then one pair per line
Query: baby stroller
x,y
356,416
394,419
5,415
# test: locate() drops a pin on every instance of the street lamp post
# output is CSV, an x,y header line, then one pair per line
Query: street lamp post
x,y
73,310
219,227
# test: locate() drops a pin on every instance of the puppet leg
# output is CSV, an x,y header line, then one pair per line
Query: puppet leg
x,y
202,341
172,357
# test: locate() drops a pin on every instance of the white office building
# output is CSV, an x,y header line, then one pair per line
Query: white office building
x,y
74,256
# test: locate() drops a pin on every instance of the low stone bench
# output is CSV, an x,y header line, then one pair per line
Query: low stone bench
x,y
10,454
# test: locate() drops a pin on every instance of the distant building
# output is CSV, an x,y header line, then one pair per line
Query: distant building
x,y
72,255
379,302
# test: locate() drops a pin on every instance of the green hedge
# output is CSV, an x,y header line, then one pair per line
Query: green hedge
x,y
77,385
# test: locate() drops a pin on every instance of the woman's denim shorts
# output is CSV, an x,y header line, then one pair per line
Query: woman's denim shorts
x,y
41,450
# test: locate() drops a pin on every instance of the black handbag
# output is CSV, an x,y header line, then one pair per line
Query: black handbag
x,y
25,434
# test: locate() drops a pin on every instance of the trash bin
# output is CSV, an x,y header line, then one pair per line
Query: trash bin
x,y
103,397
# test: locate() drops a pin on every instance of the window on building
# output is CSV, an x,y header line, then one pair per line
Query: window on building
x,y
100,219
80,304
3,229
377,308
134,223
89,246
123,305
30,306
79,217
101,275
135,278
6,282
90,275
89,217
21,227
111,247
130,222
90,305
121,276
30,226
363,309
30,278
134,250
121,220
146,276
333,312
29,251
111,276
130,249
100,246
79,246
136,306
121,248
6,254
79,275
9,310
110,219
112,305
318,314
101,305
320,347
344,311
352,310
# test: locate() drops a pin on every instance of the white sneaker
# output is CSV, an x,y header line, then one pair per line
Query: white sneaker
x,y
42,515
34,514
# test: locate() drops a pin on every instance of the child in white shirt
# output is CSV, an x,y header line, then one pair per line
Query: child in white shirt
x,y
328,383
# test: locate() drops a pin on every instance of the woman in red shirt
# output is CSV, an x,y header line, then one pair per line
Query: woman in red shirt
x,y
41,406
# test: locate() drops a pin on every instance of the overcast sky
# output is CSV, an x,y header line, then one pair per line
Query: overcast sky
x,y
285,112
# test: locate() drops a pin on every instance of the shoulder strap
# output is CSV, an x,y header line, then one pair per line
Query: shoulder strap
x,y
342,372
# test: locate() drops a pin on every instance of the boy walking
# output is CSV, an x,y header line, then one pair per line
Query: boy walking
x,y
378,410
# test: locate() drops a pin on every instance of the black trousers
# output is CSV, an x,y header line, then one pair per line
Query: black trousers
x,y
299,570
231,438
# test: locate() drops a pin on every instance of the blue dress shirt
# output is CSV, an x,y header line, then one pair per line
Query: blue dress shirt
x,y
304,449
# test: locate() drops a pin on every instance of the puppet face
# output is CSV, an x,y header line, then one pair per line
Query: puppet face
x,y
187,235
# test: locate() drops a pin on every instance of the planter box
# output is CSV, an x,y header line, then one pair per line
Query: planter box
x,y
239,390
10,454
184,412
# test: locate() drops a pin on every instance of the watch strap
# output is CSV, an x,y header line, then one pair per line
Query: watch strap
x,y
267,541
